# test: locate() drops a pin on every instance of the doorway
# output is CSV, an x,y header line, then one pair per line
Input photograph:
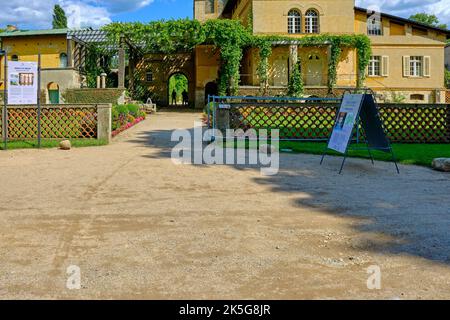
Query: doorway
x,y
280,73
53,93
178,87
314,70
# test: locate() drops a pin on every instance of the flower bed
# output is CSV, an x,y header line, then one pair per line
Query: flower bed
x,y
125,117
127,126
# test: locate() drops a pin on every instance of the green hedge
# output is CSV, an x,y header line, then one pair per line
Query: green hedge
x,y
92,95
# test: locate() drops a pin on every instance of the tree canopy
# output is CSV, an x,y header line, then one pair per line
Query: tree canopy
x,y
428,19
59,18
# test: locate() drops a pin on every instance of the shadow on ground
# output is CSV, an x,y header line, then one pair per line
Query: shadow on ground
x,y
411,209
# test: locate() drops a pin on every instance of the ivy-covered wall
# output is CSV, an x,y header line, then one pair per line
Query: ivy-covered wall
x,y
93,95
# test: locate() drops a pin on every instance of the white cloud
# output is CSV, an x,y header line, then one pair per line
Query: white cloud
x,y
406,8
80,13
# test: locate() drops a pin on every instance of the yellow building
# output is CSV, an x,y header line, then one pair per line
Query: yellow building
x,y
407,61
59,68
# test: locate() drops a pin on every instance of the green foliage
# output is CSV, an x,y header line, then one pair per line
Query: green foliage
x,y
398,97
447,79
428,19
265,51
230,37
295,86
88,96
59,17
179,83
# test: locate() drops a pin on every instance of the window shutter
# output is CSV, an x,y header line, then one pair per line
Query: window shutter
x,y
427,66
406,66
385,66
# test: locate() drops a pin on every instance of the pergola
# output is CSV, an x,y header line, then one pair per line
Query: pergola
x,y
85,38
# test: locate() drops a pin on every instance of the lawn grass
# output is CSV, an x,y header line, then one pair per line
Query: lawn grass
x,y
76,143
418,154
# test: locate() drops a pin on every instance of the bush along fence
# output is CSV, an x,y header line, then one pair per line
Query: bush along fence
x,y
313,120
65,121
125,116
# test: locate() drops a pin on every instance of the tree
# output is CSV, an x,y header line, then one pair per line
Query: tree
x,y
59,18
428,19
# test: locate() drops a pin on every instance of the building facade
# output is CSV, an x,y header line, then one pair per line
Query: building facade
x,y
60,70
406,62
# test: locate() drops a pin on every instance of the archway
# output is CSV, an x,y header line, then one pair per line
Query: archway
x,y
53,93
178,90
211,89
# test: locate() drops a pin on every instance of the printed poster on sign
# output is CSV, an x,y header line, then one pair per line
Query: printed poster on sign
x,y
22,82
345,122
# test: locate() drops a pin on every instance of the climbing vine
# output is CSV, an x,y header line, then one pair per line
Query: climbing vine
x,y
295,86
230,37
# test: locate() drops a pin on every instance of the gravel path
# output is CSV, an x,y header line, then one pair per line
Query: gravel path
x,y
139,226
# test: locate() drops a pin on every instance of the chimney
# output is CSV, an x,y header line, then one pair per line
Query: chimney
x,y
11,27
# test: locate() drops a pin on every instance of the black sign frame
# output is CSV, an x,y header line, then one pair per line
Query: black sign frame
x,y
375,134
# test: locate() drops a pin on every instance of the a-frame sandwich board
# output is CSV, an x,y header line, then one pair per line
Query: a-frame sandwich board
x,y
355,110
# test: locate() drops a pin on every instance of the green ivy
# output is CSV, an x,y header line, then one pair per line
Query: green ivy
x,y
295,86
230,37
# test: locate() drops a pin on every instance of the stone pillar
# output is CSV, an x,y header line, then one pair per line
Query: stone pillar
x,y
104,122
69,53
121,65
103,80
131,69
99,82
293,57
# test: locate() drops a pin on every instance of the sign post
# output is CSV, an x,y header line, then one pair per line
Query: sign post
x,y
38,98
5,101
356,110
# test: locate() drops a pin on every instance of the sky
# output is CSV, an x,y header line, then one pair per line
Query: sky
x,y
37,14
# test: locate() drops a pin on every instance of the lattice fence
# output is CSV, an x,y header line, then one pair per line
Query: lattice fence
x,y
56,122
301,121
314,121
447,96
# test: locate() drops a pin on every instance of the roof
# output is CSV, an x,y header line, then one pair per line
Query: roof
x,y
404,20
24,33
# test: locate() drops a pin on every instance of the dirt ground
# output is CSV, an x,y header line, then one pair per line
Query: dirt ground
x,y
139,226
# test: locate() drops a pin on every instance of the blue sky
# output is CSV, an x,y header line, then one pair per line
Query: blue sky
x,y
37,14
159,9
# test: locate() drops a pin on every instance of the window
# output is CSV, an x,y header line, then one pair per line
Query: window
x,y
209,6
294,22
374,26
63,60
416,66
420,97
312,21
14,57
149,76
375,66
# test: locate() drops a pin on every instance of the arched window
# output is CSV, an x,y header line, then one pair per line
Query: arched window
x,y
63,60
14,57
294,21
311,21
